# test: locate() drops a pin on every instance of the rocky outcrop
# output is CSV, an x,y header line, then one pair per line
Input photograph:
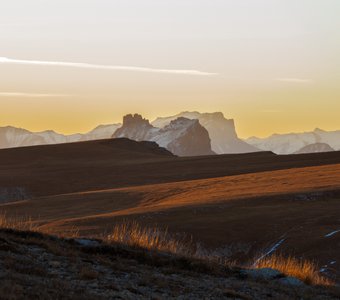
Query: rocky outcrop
x,y
134,127
182,136
221,131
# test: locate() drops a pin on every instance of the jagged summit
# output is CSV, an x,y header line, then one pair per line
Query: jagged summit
x,y
135,118
134,127
221,131
222,135
182,136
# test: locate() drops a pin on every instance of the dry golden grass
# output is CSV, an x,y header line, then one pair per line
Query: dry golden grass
x,y
27,224
304,270
18,223
151,238
156,239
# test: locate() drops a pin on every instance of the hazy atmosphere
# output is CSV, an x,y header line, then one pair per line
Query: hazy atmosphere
x,y
71,65
169,149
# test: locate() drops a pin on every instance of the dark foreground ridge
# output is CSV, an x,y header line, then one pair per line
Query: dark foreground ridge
x,y
38,266
113,163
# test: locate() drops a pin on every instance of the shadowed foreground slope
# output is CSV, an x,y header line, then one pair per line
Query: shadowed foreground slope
x,y
103,164
240,205
37,266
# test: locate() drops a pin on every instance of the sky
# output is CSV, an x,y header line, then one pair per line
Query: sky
x,y
70,65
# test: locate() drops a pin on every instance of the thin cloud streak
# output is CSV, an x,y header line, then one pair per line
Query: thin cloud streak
x,y
30,95
5,60
294,80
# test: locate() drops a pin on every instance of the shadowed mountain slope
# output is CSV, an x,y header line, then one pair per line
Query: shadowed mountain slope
x,y
221,131
182,136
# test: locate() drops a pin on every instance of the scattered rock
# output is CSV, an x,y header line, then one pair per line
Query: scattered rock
x,y
291,281
265,273
52,268
87,242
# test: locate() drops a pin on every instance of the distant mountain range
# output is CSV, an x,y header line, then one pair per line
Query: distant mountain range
x,y
294,142
11,137
184,134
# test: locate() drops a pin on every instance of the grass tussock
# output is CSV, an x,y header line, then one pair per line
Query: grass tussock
x,y
27,224
151,238
304,270
160,240
18,223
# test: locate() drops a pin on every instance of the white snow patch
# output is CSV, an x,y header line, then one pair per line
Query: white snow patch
x,y
332,233
271,250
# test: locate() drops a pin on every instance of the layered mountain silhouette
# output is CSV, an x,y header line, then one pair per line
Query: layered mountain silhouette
x,y
11,137
182,136
187,133
293,142
221,131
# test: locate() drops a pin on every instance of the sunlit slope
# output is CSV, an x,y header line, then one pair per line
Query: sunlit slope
x,y
247,202
252,211
297,184
105,164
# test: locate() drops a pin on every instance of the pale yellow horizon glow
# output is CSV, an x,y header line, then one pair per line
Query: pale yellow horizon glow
x,y
272,66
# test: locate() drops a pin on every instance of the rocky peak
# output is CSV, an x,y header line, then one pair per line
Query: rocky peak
x,y
135,119
134,127
221,131
185,137
181,136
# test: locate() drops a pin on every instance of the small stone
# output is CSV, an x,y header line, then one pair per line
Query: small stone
x,y
264,273
55,264
291,281
87,242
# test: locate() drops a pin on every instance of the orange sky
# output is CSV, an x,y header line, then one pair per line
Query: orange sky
x,y
273,66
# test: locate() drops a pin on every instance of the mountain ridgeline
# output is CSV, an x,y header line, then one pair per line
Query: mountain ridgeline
x,y
182,136
222,133
187,133
12,137
291,143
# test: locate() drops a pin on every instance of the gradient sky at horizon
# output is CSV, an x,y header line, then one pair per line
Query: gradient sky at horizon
x,y
273,66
